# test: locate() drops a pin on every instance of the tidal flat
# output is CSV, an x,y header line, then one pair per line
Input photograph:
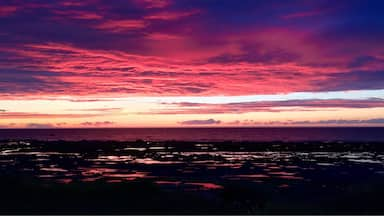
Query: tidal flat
x,y
175,177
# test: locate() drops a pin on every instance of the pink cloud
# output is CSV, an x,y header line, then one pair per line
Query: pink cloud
x,y
113,72
264,106
76,14
72,3
168,15
303,14
162,36
7,10
27,115
153,4
103,110
121,25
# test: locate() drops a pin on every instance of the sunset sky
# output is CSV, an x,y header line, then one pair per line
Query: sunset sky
x,y
183,63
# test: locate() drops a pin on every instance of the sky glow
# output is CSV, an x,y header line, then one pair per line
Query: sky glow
x,y
168,63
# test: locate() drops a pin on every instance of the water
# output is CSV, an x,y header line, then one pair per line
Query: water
x,y
336,170
191,164
200,134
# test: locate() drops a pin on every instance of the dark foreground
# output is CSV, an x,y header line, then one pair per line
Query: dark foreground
x,y
106,177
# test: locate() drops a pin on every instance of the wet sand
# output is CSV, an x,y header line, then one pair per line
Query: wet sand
x,y
172,177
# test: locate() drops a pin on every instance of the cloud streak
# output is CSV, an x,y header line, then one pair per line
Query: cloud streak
x,y
201,122
32,115
265,106
97,124
332,122
39,126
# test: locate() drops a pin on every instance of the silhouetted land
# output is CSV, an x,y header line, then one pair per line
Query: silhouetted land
x,y
109,177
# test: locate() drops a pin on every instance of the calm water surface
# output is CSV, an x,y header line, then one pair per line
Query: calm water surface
x,y
200,134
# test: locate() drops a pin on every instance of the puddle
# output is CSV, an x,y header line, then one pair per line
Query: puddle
x,y
289,177
325,164
248,176
205,186
282,173
96,171
127,175
151,161
64,181
135,149
168,182
53,169
366,161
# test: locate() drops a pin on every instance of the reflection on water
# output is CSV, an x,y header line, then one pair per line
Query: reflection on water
x,y
201,166
152,161
205,186
53,169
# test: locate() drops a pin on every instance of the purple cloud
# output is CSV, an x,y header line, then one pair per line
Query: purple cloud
x,y
39,125
201,122
97,124
376,121
265,106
